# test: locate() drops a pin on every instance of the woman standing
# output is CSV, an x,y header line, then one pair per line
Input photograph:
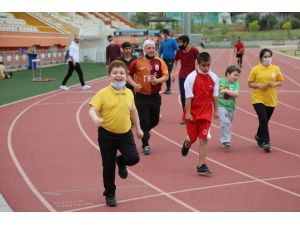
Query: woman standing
x,y
263,79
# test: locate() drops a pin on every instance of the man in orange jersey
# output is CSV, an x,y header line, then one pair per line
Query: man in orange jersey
x,y
146,75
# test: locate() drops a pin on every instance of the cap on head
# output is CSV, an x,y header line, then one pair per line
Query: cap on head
x,y
148,42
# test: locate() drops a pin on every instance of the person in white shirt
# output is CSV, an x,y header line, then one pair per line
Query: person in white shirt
x,y
74,65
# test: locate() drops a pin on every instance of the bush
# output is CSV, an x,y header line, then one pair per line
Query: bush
x,y
250,17
268,22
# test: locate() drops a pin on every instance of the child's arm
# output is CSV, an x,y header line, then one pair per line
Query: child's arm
x,y
94,115
232,93
188,114
216,107
135,118
162,79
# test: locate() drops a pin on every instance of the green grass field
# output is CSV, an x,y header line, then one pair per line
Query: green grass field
x,y
20,86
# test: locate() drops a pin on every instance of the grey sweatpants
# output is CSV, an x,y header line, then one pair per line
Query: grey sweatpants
x,y
226,118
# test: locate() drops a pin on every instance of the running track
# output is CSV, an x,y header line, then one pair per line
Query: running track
x,y
50,159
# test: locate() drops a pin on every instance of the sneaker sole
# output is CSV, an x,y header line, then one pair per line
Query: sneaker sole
x,y
205,174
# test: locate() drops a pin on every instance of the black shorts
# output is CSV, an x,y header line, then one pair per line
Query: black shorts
x,y
239,55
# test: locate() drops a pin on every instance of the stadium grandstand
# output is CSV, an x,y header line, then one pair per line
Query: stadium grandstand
x,y
48,35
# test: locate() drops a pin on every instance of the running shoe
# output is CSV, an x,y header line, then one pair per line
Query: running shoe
x,y
204,170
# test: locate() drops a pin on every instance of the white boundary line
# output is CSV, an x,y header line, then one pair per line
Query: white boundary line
x,y
16,161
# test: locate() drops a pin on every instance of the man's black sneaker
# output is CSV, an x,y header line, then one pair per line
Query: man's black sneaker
x,y
226,144
266,147
146,150
168,91
185,147
203,170
258,141
111,200
122,170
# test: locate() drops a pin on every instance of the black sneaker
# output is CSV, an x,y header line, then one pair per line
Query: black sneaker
x,y
122,170
226,144
267,147
185,148
111,200
168,92
203,170
146,150
258,141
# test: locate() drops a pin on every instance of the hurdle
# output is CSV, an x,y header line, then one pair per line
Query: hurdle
x,y
38,78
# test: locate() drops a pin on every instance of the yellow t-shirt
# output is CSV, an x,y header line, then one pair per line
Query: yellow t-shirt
x,y
114,108
261,74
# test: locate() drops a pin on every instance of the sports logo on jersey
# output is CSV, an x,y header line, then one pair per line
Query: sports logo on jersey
x,y
273,75
156,67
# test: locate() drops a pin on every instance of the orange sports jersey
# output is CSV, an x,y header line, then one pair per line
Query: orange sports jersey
x,y
142,70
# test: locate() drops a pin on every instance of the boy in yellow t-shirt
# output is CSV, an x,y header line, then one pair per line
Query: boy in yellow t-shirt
x,y
112,110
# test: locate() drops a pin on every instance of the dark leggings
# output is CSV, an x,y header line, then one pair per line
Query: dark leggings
x,y
71,69
264,114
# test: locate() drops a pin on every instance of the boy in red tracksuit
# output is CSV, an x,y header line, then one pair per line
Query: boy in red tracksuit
x,y
201,92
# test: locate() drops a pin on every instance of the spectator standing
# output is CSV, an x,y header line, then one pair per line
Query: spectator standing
x,y
74,64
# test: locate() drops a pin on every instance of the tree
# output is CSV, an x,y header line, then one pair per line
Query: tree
x,y
268,22
254,27
141,18
250,17
288,27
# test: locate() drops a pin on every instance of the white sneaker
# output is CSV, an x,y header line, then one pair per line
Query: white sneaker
x,y
85,87
64,87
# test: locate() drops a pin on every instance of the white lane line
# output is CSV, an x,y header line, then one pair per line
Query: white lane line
x,y
289,106
186,190
16,161
230,168
271,121
47,93
131,173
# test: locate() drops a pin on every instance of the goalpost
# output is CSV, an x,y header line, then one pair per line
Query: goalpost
x,y
38,78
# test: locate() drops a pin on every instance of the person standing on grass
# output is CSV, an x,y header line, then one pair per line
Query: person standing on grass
x,y
229,89
112,110
146,75
187,56
264,79
127,58
239,51
167,51
73,62
201,91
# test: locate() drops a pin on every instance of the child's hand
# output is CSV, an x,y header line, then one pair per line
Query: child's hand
x,y
138,87
139,133
263,86
216,115
188,116
98,121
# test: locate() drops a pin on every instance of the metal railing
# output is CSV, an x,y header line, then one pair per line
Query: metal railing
x,y
15,60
